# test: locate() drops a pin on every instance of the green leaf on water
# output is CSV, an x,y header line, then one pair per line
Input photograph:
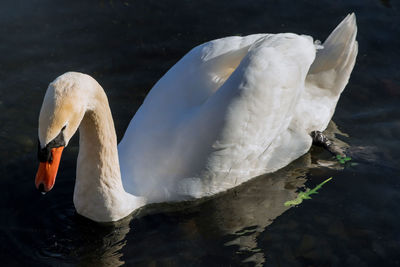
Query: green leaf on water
x,y
342,160
305,195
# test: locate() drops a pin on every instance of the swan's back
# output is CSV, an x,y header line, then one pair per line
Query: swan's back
x,y
232,109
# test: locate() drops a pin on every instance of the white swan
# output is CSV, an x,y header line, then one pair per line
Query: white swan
x,y
231,109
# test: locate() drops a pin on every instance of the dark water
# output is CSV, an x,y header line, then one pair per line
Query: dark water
x,y
127,46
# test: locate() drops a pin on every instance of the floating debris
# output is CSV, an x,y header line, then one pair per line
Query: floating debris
x,y
305,195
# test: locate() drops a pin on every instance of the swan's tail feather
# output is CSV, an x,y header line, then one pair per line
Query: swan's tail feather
x,y
333,64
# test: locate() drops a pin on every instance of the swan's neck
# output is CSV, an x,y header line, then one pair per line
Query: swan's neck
x,y
99,193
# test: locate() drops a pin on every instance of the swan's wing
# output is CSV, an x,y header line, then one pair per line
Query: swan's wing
x,y
197,75
237,125
149,139
328,76
223,135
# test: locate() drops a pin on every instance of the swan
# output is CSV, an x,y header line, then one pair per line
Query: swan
x,y
229,110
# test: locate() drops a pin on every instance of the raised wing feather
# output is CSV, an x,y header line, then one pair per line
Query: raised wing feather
x,y
327,77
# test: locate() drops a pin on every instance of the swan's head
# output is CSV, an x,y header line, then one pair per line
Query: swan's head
x,y
63,108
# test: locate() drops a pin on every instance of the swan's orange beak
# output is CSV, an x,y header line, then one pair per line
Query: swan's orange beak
x,y
46,174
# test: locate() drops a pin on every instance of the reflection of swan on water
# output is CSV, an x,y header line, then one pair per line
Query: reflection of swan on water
x,y
86,243
109,249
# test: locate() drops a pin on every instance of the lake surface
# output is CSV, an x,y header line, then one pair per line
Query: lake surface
x,y
127,46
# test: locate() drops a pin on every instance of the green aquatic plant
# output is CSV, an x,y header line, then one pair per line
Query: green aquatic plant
x,y
342,159
345,159
306,194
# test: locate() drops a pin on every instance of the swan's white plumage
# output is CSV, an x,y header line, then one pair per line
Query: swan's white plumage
x,y
203,128
229,110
